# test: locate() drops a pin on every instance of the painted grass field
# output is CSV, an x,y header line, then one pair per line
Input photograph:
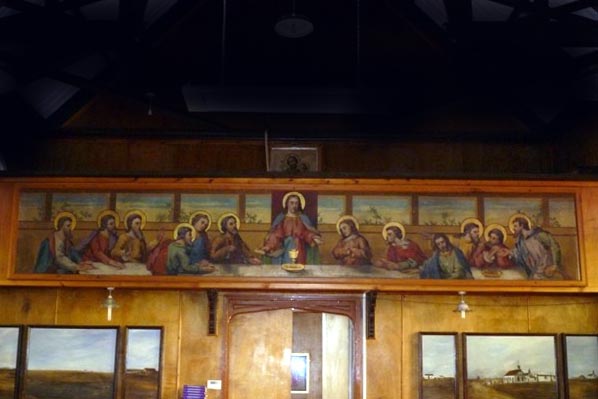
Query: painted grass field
x,y
51,384
538,390
141,385
78,384
7,383
583,389
439,388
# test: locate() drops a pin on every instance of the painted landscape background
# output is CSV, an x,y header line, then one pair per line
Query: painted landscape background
x,y
511,366
70,363
438,366
68,384
440,388
582,365
141,384
583,388
542,390
7,383
142,376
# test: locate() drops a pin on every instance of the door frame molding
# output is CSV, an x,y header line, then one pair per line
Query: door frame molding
x,y
349,304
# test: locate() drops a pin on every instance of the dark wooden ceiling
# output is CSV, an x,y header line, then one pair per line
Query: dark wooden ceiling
x,y
375,64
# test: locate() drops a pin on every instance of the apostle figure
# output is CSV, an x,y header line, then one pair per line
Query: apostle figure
x,y
290,230
352,248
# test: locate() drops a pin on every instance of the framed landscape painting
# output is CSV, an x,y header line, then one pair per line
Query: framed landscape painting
x,y
581,366
438,366
143,363
70,363
9,353
517,366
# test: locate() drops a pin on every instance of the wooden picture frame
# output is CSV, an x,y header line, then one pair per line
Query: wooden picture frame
x,y
71,362
520,365
10,347
580,363
438,365
143,362
295,160
420,211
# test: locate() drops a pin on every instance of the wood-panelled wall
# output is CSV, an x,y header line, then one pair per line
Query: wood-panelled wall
x,y
189,157
114,136
190,356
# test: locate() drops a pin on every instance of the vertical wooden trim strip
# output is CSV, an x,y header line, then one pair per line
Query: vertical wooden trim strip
x,y
370,298
212,303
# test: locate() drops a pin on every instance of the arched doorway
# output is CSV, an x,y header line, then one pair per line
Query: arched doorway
x,y
263,331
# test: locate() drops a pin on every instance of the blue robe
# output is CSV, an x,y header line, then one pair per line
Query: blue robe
x,y
45,262
431,267
199,249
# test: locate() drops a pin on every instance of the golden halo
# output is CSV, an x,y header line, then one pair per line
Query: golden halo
x,y
493,226
227,215
138,212
396,224
202,212
519,215
472,220
342,219
68,214
298,194
178,227
108,212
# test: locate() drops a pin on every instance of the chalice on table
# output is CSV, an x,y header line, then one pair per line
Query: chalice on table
x,y
293,266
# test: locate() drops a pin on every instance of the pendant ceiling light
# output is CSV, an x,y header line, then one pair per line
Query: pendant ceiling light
x,y
293,25
462,307
109,304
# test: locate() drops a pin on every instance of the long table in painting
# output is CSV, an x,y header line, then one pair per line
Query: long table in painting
x,y
276,271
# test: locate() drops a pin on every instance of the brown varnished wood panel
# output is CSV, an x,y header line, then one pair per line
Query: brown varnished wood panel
x,y
384,354
186,156
570,315
190,356
199,353
29,305
259,344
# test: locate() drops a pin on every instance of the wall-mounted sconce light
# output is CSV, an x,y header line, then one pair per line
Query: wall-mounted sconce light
x,y
462,307
150,98
109,304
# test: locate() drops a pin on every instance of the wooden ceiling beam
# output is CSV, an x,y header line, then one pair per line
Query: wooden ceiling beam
x,y
459,11
22,5
173,18
459,15
422,24
572,7
66,5
570,32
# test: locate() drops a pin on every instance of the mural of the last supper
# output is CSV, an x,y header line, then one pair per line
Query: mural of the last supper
x,y
299,234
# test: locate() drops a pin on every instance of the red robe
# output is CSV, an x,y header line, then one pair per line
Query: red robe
x,y
295,228
407,250
98,249
501,258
